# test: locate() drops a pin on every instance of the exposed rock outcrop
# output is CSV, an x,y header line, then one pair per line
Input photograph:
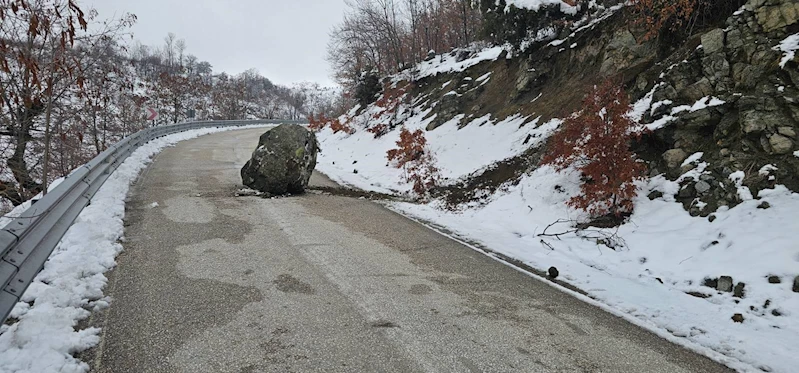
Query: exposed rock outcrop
x,y
721,92
756,116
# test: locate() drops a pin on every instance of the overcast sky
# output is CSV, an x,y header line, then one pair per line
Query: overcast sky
x,y
285,40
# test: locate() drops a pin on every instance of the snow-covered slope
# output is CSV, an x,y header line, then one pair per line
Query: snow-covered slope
x,y
360,159
659,269
658,257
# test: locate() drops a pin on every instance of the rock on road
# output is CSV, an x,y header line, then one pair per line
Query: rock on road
x,y
210,282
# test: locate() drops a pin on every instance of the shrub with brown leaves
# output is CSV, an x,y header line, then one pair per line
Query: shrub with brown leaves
x,y
387,105
659,16
337,124
317,124
416,160
378,130
597,142
390,100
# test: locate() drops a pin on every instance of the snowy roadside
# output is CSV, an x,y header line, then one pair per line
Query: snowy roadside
x,y
663,243
43,338
665,255
661,270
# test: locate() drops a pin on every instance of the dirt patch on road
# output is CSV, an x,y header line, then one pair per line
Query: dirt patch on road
x,y
420,289
333,191
354,193
290,284
384,324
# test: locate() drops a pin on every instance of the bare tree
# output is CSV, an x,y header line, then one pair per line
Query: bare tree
x,y
69,88
389,35
39,65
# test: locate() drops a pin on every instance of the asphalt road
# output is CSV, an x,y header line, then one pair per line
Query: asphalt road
x,y
211,282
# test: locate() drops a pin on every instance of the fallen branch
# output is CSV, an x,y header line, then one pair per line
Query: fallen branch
x,y
611,240
601,237
557,235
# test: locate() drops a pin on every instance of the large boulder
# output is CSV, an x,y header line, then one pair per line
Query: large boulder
x,y
283,161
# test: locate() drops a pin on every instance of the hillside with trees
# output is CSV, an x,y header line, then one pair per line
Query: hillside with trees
x,y
646,149
382,37
73,83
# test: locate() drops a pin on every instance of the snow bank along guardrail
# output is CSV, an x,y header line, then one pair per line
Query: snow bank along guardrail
x,y
28,240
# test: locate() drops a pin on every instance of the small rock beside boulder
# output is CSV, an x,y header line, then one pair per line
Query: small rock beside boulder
x,y
283,162
739,292
724,284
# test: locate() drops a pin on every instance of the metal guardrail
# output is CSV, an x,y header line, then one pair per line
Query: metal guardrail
x,y
27,242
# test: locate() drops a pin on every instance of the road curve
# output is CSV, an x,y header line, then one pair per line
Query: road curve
x,y
210,282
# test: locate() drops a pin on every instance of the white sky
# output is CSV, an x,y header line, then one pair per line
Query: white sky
x,y
285,40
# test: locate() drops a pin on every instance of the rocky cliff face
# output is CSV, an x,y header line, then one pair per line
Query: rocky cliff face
x,y
728,93
751,127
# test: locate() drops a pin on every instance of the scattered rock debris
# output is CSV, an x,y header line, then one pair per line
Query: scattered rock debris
x,y
553,272
724,284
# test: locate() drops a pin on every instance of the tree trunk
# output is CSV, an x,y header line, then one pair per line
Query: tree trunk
x,y
17,164
46,162
95,135
176,113
465,18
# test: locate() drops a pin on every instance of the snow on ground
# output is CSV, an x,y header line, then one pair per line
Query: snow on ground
x,y
645,105
71,284
482,142
662,243
664,253
448,63
789,46
702,103
535,5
